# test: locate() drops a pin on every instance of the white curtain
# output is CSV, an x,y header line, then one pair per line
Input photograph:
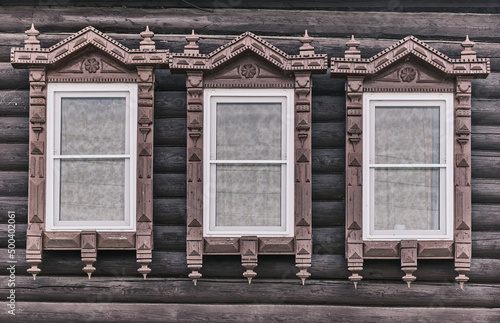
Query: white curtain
x,y
406,198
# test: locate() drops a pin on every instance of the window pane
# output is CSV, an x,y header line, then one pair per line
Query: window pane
x,y
406,199
92,190
248,195
93,126
249,131
407,135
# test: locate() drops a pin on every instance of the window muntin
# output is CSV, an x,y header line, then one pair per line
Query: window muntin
x,y
248,162
408,182
91,157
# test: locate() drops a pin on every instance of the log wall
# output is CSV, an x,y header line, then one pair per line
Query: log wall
x,y
275,291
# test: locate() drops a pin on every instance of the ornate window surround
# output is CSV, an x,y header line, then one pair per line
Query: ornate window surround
x,y
108,61
248,62
426,70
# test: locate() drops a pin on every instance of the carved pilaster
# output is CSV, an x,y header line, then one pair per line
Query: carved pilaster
x,y
145,126
249,247
354,190
303,213
89,250
37,153
194,83
462,158
408,250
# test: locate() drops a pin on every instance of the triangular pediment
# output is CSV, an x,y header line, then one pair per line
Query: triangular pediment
x,y
82,41
409,49
248,69
245,43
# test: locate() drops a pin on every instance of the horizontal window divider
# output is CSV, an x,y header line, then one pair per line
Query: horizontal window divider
x,y
248,162
407,165
91,156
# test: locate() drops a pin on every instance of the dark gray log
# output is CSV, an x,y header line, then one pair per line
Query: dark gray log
x,y
14,103
169,211
18,205
282,291
328,187
485,217
169,159
328,161
14,157
173,264
220,21
64,312
485,112
485,190
486,167
13,184
14,130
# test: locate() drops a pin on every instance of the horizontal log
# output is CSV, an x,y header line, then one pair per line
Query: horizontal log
x,y
326,240
485,167
14,157
485,190
485,217
220,21
485,112
169,159
282,291
173,264
64,312
18,205
14,184
14,130
14,103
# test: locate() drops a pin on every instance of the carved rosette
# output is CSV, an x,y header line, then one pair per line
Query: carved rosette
x,y
395,70
354,189
89,56
194,243
463,192
36,184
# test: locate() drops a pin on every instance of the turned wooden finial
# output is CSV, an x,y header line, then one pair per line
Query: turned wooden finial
x,y
306,48
32,41
147,43
353,51
468,53
192,47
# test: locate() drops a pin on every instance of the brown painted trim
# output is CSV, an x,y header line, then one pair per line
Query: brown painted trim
x,y
410,65
90,56
249,62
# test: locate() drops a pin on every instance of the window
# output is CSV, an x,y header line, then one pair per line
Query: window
x,y
407,192
248,151
408,154
91,145
91,156
249,162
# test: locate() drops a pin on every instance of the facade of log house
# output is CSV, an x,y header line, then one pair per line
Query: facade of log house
x,y
267,161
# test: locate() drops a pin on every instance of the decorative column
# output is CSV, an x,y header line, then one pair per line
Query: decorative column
x,y
89,250
303,189
249,248
408,251
145,126
37,138
194,243
462,150
354,150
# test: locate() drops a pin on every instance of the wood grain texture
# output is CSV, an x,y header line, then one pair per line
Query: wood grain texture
x,y
106,310
324,23
264,291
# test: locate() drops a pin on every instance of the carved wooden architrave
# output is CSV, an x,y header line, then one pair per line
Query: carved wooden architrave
x,y
410,65
92,57
248,62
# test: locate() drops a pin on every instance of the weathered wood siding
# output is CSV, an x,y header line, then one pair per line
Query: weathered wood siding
x,y
328,294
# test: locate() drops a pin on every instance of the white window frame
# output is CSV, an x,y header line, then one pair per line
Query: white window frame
x,y
211,98
445,102
56,91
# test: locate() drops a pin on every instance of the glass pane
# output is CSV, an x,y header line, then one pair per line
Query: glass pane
x,y
248,195
93,126
92,190
406,199
407,135
247,131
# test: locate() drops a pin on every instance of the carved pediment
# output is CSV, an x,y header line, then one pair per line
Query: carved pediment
x,y
32,54
410,47
248,70
409,75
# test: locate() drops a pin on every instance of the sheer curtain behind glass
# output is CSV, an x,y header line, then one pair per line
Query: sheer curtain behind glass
x,y
92,188
406,198
248,194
